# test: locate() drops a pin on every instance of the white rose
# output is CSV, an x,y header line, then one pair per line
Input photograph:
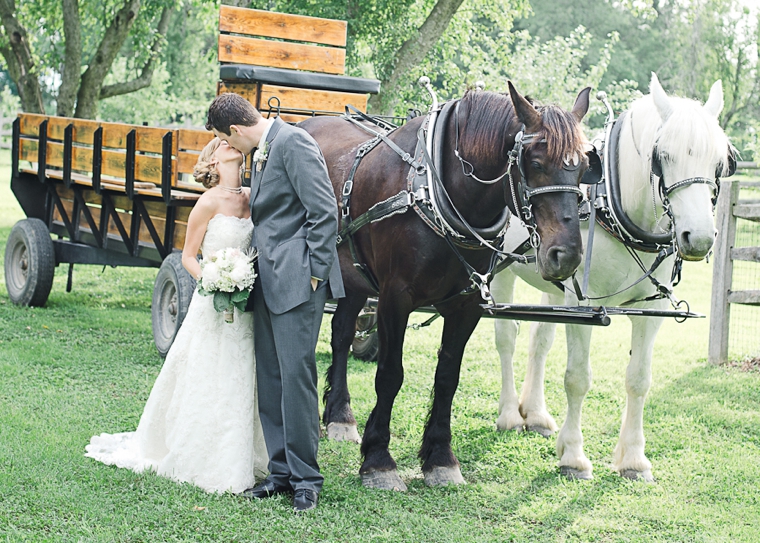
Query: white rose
x,y
210,274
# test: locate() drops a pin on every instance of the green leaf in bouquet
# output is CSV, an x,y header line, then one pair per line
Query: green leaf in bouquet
x,y
240,296
203,292
240,305
221,301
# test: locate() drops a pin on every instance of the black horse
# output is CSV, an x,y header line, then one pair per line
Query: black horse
x,y
409,261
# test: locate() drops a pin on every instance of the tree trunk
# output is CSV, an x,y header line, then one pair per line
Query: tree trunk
x,y
100,64
411,53
18,58
146,74
72,63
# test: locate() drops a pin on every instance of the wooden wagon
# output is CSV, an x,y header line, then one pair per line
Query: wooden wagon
x,y
120,195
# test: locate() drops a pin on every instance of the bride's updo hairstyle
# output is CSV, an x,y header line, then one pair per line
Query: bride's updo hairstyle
x,y
205,171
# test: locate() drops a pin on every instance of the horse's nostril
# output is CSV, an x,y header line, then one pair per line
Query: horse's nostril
x,y
685,238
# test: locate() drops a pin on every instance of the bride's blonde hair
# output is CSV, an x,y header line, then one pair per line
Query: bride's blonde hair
x,y
205,171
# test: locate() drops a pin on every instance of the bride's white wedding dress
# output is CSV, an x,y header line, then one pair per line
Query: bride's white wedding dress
x,y
201,423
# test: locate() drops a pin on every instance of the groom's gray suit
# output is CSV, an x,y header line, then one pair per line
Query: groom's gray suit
x,y
295,218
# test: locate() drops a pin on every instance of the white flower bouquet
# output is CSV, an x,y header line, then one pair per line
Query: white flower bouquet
x,y
228,276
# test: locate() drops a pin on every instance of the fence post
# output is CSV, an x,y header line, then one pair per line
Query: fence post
x,y
723,266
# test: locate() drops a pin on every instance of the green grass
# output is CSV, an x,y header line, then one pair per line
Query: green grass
x,y
85,364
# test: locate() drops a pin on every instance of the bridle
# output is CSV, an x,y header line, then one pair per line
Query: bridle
x,y
522,194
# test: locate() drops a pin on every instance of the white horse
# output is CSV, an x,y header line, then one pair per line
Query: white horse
x,y
686,141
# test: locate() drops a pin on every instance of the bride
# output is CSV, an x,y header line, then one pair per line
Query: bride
x,y
201,423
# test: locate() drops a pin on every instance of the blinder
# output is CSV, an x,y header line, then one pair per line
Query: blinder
x,y
594,173
731,159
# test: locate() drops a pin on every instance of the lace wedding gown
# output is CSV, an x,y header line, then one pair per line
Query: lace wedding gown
x,y
201,423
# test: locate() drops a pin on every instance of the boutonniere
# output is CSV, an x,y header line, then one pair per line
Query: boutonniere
x,y
260,155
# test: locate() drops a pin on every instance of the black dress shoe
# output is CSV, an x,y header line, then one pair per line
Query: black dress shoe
x,y
305,499
266,489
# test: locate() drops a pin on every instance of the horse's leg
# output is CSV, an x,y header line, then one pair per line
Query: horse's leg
x,y
532,402
505,335
573,462
629,458
379,469
439,465
338,417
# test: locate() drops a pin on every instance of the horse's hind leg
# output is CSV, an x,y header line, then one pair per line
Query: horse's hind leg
x,y
630,461
439,465
532,402
505,335
338,417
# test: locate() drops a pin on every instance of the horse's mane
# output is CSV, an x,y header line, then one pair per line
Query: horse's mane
x,y
689,131
491,115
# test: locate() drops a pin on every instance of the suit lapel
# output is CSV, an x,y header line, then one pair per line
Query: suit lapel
x,y
258,176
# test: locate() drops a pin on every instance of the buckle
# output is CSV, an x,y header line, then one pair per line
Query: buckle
x,y
347,187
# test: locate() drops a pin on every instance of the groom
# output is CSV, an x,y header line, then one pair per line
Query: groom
x,y
295,218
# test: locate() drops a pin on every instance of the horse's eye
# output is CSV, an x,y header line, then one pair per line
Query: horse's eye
x,y
536,165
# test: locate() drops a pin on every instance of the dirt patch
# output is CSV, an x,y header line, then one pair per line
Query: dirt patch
x,y
747,365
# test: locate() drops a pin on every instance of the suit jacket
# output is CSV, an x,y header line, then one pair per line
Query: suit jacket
x,y
295,220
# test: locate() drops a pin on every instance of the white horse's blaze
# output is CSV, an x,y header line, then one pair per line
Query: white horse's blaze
x,y
688,134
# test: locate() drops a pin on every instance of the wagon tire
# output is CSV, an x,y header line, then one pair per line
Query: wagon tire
x,y
366,348
29,263
172,293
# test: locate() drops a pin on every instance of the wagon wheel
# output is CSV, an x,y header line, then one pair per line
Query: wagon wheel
x,y
172,293
366,347
29,263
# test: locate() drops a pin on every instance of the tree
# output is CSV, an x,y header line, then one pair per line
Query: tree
x,y
71,35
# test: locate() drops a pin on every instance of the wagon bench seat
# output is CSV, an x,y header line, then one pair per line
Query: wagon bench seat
x,y
292,78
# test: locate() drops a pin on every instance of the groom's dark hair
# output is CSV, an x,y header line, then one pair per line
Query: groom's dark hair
x,y
228,109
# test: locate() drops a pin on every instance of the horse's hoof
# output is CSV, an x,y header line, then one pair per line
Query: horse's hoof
x,y
441,476
575,474
636,475
341,431
541,430
383,480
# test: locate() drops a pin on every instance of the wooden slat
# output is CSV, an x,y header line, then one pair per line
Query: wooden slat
x,y
745,297
293,98
147,139
193,140
271,24
83,131
747,254
30,123
750,212
147,168
277,54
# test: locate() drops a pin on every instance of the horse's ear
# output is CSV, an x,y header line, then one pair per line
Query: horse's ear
x,y
661,100
580,108
524,110
714,104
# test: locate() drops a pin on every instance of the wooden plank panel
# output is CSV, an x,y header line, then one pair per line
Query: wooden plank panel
x,y
750,212
30,123
246,90
186,162
281,25
193,140
745,297
147,168
83,132
747,254
27,150
147,139
180,231
294,98
277,54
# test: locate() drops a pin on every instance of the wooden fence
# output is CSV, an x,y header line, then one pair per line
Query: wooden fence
x,y
730,208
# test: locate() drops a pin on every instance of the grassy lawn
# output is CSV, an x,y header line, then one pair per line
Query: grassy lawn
x,y
85,364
